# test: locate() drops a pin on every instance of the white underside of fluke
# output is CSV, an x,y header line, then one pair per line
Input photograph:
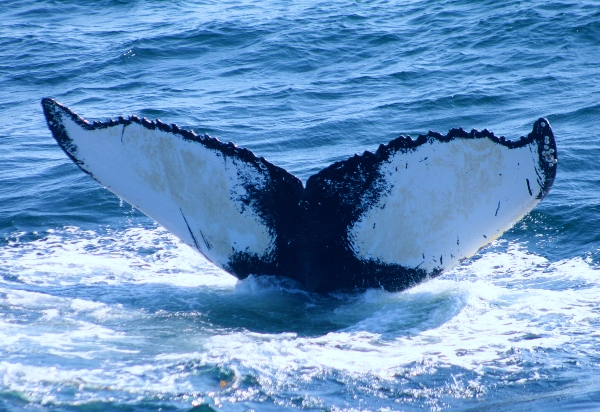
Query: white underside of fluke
x,y
446,200
385,219
186,187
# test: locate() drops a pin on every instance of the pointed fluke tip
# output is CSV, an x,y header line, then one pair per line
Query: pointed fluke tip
x,y
47,104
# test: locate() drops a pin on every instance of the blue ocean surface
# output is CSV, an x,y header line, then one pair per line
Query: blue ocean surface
x,y
101,309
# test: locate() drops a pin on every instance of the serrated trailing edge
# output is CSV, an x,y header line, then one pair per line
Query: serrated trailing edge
x,y
50,106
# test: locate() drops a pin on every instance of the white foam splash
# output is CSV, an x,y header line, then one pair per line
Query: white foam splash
x,y
74,256
489,314
472,324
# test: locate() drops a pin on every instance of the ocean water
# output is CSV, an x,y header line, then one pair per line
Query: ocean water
x,y
103,310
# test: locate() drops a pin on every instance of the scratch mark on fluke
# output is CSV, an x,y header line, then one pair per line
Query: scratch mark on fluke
x,y
355,224
208,246
191,233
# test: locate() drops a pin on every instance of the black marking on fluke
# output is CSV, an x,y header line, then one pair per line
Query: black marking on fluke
x,y
310,224
192,233
206,242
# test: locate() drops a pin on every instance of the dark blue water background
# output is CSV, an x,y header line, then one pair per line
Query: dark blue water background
x,y
100,309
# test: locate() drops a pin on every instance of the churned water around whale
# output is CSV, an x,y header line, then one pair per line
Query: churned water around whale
x,y
103,310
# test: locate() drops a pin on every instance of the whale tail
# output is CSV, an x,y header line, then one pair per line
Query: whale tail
x,y
386,219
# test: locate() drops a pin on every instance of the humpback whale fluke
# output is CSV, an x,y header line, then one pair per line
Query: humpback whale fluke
x,y
389,219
